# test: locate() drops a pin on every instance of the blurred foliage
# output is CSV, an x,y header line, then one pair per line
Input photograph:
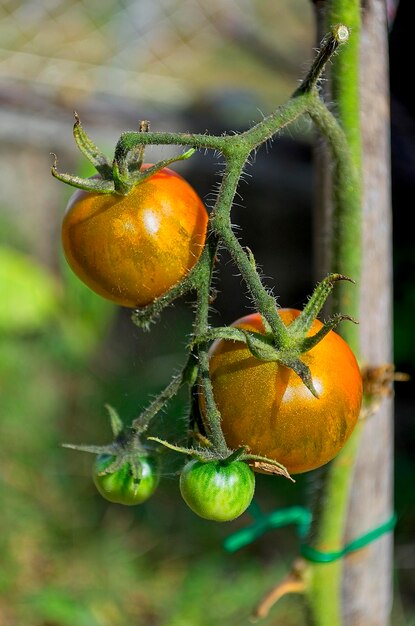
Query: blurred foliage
x,y
20,274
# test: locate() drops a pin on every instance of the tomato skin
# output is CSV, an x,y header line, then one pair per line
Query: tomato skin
x,y
132,249
216,490
120,486
266,406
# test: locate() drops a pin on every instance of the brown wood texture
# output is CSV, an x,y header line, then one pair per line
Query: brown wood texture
x,y
367,574
367,578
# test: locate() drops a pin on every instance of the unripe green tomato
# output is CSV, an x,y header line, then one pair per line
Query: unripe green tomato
x,y
217,490
121,487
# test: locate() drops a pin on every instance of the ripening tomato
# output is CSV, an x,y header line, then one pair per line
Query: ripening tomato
x,y
132,249
266,406
120,486
217,490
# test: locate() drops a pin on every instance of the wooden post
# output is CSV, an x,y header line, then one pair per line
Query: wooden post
x,y
367,574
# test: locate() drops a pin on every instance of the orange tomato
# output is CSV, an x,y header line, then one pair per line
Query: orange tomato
x,y
266,406
132,249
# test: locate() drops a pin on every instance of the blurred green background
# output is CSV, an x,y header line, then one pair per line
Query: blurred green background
x,y
66,556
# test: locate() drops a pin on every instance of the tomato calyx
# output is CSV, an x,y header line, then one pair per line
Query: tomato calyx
x,y
123,174
126,448
208,453
131,483
295,341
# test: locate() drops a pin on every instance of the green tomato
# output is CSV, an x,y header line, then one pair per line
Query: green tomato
x,y
217,490
121,486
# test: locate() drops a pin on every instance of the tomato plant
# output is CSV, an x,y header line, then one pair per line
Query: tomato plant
x,y
132,249
217,490
121,486
265,405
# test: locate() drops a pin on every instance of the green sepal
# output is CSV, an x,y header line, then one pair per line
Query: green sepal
x,y
303,371
196,453
241,454
117,425
90,150
302,324
333,322
122,459
136,469
107,449
126,178
261,346
118,462
93,185
120,177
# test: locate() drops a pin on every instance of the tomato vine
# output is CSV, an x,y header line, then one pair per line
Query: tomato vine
x,y
212,452
126,177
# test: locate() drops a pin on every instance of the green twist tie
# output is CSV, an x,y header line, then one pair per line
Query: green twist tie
x,y
301,517
297,515
311,554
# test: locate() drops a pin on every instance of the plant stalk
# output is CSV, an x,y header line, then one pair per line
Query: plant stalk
x,y
330,507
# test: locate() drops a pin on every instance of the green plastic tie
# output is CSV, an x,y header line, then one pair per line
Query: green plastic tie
x,y
311,554
301,517
297,515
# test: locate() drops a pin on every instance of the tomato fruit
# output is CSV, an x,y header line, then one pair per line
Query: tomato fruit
x,y
217,490
266,406
132,249
121,486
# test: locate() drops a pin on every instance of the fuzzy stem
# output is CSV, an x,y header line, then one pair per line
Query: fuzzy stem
x,y
324,591
346,255
338,35
141,423
234,147
200,329
221,224
330,510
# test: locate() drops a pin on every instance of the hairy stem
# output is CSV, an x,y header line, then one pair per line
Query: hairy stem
x,y
346,257
330,509
200,329
221,224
